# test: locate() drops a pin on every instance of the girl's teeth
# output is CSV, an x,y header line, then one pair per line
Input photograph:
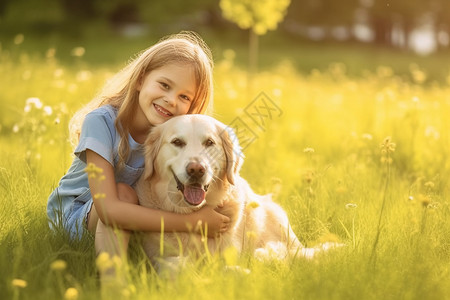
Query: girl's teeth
x,y
160,110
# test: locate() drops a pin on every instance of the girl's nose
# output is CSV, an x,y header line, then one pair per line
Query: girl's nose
x,y
170,99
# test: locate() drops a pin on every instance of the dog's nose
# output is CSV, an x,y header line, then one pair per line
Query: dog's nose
x,y
195,169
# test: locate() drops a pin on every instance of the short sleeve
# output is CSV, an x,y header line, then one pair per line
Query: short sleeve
x,y
97,134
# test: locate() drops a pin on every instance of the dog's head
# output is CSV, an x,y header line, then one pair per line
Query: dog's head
x,y
192,153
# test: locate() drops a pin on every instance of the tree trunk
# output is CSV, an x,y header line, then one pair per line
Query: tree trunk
x,y
252,59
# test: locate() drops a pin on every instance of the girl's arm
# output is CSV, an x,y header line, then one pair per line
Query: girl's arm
x,y
124,215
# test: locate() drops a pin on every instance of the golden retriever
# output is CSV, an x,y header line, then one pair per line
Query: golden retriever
x,y
194,160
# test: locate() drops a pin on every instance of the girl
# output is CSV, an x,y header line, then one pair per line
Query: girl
x,y
171,78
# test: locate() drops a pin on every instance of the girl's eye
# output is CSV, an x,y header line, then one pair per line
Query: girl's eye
x,y
177,142
209,143
184,97
164,85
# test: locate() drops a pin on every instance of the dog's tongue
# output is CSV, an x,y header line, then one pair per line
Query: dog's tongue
x,y
194,194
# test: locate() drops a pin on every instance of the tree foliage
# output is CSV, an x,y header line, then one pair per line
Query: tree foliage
x,y
259,16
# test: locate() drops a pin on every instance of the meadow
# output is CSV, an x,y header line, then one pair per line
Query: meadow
x,y
356,159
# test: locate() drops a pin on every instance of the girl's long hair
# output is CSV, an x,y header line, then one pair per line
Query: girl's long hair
x,y
121,91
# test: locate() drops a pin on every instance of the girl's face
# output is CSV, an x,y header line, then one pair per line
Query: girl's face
x,y
166,92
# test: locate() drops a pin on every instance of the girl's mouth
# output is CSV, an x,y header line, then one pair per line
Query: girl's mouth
x,y
163,112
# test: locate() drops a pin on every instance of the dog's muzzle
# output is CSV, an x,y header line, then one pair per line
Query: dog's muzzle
x,y
194,193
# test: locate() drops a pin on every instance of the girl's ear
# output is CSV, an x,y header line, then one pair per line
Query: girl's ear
x,y
140,81
152,146
233,152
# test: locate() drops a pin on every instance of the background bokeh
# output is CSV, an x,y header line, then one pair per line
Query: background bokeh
x,y
355,146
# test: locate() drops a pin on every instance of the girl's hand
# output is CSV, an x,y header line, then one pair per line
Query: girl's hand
x,y
215,221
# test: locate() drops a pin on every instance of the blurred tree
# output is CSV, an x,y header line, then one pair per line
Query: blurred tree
x,y
256,16
441,11
404,15
161,17
323,12
79,10
25,12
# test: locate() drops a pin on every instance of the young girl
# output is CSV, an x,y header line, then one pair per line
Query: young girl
x,y
171,78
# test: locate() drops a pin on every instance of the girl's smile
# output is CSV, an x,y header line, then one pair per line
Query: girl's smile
x,y
163,112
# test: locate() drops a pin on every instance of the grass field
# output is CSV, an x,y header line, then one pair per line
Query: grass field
x,y
362,160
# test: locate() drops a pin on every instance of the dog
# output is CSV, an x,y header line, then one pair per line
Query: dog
x,y
192,161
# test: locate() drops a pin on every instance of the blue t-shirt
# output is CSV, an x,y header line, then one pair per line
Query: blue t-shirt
x,y
71,201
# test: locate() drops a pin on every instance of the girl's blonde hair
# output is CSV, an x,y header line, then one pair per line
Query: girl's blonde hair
x,y
121,91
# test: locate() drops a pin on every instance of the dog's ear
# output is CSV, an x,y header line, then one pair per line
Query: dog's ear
x,y
152,146
233,152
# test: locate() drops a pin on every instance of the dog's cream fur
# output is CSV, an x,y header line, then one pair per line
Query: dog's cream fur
x,y
258,226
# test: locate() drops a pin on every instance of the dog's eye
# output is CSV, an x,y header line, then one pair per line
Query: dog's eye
x,y
177,142
209,143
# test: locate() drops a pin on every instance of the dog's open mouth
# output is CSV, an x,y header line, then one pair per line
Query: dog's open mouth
x,y
194,193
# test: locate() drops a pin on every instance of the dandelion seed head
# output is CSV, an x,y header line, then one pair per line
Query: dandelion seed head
x,y
15,128
47,110
367,136
308,150
351,206
432,132
34,101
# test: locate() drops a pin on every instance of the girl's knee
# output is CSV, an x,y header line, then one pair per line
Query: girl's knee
x,y
126,193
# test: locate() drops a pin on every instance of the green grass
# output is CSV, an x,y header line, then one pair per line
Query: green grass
x,y
342,117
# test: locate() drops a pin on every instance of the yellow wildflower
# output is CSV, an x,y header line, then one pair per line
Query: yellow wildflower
x,y
71,294
58,265
20,283
425,200
231,255
252,204
99,196
251,235
103,261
